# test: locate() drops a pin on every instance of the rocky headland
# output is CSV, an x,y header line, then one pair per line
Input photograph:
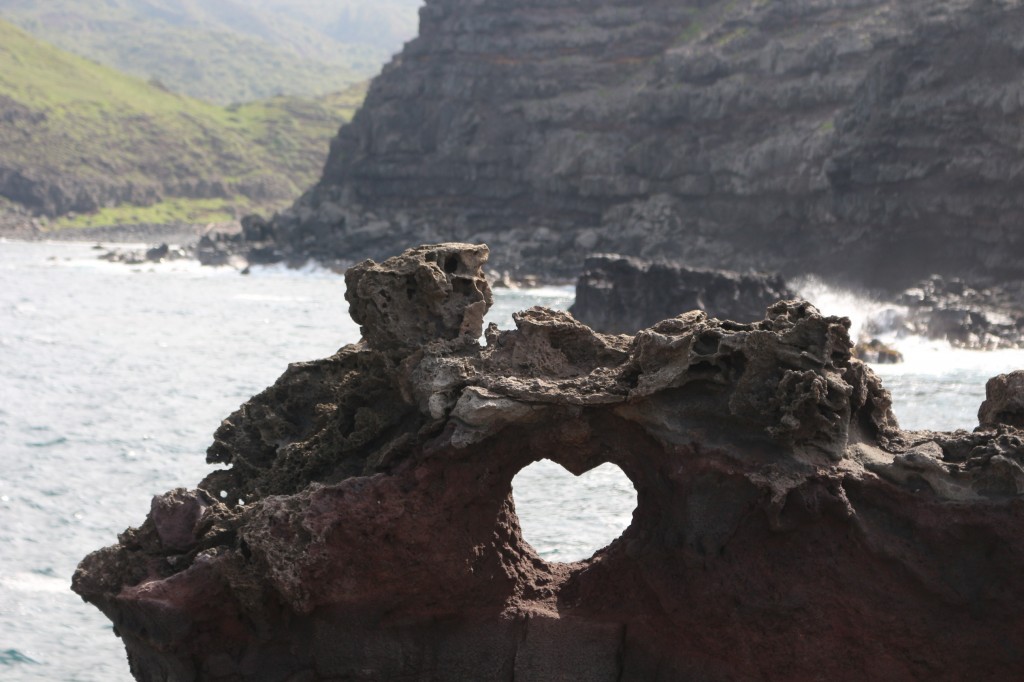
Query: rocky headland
x,y
361,524
986,318
623,294
872,142
620,294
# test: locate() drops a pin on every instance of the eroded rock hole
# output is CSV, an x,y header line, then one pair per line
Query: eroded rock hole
x,y
568,518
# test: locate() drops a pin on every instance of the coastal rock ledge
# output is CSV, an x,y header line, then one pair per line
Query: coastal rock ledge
x,y
785,529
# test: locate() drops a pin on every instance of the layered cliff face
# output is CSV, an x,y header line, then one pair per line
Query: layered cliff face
x,y
363,527
871,141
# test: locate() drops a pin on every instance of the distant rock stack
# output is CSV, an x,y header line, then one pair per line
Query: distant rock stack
x,y
985,319
619,294
871,142
362,525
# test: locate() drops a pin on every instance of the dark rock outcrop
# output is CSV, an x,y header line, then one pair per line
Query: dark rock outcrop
x,y
1004,401
868,141
363,527
156,254
619,294
17,223
877,352
968,317
242,248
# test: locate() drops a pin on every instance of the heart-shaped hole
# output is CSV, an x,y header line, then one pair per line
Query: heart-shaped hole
x,y
568,518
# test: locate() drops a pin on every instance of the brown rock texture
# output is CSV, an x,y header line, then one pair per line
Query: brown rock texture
x,y
362,526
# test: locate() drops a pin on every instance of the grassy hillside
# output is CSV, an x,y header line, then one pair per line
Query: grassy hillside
x,y
227,51
77,137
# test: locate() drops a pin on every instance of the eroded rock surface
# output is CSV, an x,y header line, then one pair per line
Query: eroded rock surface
x,y
362,526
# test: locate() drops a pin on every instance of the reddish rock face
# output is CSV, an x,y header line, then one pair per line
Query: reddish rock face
x,y
785,528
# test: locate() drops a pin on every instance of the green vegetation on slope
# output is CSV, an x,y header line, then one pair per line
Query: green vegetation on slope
x,y
76,136
170,211
225,51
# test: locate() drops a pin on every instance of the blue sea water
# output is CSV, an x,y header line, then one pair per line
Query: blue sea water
x,y
113,379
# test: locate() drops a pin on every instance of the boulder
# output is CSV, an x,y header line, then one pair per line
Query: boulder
x,y
158,253
1004,401
877,352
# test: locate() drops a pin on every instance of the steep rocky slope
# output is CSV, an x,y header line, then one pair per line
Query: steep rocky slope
x,y
363,528
867,140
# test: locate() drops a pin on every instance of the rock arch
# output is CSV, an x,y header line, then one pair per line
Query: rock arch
x,y
785,526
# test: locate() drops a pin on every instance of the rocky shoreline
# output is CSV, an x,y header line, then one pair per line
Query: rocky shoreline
x,y
23,228
362,525
622,294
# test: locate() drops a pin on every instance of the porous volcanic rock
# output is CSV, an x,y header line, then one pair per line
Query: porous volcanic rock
x,y
620,294
363,526
869,141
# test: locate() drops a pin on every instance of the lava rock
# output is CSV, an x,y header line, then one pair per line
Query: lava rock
x,y
158,253
975,317
1004,401
427,293
782,515
622,294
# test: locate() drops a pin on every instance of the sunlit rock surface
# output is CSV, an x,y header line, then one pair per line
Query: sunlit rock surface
x,y
362,525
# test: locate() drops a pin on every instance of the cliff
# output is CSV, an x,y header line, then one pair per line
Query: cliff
x,y
873,142
362,525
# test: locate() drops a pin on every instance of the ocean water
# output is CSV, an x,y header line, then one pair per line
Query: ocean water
x,y
936,387
113,379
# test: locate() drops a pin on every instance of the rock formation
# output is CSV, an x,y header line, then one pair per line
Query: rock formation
x,y
951,310
622,294
869,141
362,526
156,254
1004,401
619,294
